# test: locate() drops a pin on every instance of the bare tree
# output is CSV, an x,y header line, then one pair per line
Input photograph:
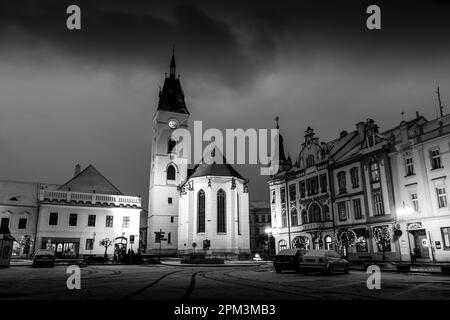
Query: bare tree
x,y
106,243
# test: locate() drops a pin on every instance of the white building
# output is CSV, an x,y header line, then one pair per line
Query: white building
x,y
71,218
421,156
174,195
213,211
75,217
18,213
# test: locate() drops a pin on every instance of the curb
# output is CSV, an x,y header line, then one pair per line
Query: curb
x,y
411,271
185,265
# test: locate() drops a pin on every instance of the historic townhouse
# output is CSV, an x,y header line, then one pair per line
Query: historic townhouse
x,y
363,197
421,158
338,195
300,198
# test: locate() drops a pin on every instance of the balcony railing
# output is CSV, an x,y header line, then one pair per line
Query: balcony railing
x,y
92,198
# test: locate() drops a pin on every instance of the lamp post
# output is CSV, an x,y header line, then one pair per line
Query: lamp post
x,y
268,231
403,214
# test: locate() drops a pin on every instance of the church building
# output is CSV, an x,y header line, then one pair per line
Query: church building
x,y
204,208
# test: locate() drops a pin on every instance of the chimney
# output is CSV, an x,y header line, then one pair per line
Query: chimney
x,y
343,134
417,114
360,128
77,169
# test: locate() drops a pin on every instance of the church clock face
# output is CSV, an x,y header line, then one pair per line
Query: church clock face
x,y
173,123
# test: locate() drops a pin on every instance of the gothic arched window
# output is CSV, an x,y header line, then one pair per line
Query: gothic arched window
x,y
294,217
304,217
171,145
326,213
238,214
171,172
221,213
201,211
314,213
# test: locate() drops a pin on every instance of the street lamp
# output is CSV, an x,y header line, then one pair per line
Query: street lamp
x,y
403,213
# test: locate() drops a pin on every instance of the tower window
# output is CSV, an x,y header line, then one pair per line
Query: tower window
x,y
171,145
169,200
171,173
201,212
171,219
221,213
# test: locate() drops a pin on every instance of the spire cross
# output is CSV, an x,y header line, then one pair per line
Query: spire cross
x,y
173,66
441,107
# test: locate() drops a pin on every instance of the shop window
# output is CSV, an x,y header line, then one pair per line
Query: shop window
x,y
361,244
89,244
328,243
282,244
446,237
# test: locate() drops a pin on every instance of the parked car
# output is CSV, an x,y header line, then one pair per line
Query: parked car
x,y
327,261
288,259
44,258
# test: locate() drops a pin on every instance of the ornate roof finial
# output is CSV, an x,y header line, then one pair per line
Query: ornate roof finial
x,y
173,66
276,119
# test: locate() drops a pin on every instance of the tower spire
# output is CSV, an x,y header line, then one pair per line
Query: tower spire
x,y
173,66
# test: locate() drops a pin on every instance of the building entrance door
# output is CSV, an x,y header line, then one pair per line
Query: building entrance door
x,y
421,245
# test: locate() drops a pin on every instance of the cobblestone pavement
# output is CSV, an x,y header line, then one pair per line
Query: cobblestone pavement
x,y
156,282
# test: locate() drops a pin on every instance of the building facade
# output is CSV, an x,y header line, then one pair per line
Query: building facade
x,y
18,214
421,156
338,196
261,239
71,218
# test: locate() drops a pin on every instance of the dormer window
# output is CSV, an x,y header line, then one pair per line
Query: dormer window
x,y
310,160
374,172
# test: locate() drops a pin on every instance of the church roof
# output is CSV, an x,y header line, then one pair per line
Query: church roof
x,y
88,180
212,168
171,97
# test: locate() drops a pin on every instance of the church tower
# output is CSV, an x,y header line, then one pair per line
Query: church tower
x,y
167,170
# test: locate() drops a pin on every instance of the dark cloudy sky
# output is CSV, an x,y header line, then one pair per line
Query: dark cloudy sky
x,y
88,96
